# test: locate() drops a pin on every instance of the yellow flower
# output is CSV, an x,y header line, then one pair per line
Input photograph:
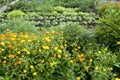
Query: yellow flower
x,y
118,42
59,56
87,68
52,32
71,61
45,47
52,64
78,47
11,56
61,46
47,40
27,51
39,50
99,52
111,68
59,51
66,55
55,48
104,70
25,71
42,61
29,40
23,41
34,74
47,33
31,66
91,60
117,78
2,43
78,78
96,68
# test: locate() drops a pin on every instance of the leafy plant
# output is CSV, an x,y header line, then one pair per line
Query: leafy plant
x,y
18,25
108,30
15,14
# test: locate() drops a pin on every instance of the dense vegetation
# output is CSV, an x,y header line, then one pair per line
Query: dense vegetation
x,y
60,40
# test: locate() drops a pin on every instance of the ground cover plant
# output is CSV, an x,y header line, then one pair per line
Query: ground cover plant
x,y
57,42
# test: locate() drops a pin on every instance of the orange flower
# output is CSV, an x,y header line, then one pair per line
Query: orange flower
x,y
81,57
11,56
4,62
19,62
42,61
87,68
10,46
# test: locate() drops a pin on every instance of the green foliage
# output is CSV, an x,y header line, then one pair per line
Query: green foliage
x,y
43,56
106,8
86,5
15,14
108,30
76,35
18,25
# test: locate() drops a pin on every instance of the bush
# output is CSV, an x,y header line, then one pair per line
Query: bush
x,y
18,25
76,35
106,8
108,30
15,14
28,56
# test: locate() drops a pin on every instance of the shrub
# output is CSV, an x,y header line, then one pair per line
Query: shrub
x,y
108,30
44,56
76,35
15,14
106,8
18,25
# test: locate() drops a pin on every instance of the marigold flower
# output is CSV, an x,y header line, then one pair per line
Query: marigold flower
x,y
47,40
39,50
78,47
47,33
59,51
2,43
96,68
11,56
59,56
45,47
25,71
4,62
42,61
118,42
71,61
31,66
111,68
10,46
19,62
78,78
23,41
34,74
52,64
104,70
66,55
99,52
91,60
56,48
87,68
117,78
61,46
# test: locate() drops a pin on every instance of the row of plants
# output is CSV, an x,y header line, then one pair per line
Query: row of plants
x,y
54,18
36,5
